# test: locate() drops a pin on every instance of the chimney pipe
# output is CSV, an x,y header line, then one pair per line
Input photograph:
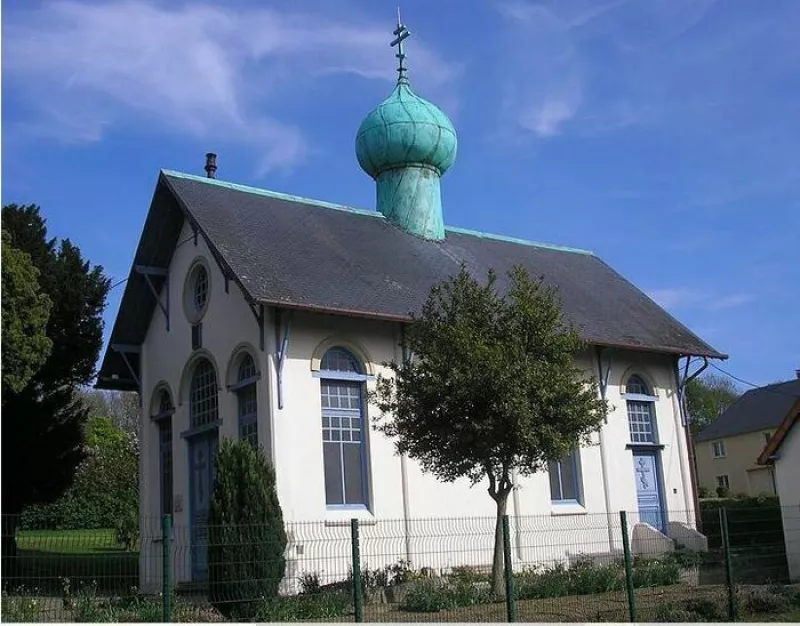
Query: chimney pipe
x,y
211,164
797,373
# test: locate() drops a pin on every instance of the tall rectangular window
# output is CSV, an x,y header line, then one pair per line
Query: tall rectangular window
x,y
343,445
165,462
565,479
719,449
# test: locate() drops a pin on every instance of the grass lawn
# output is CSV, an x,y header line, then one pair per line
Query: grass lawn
x,y
83,556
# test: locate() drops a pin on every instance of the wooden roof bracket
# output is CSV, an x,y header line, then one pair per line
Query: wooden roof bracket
x,y
147,271
124,350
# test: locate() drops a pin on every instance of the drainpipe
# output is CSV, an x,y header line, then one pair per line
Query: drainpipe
x,y
680,423
685,417
404,468
603,378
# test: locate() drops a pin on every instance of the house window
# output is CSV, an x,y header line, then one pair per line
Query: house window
x,y
163,418
247,401
204,405
722,481
343,432
565,479
718,449
640,402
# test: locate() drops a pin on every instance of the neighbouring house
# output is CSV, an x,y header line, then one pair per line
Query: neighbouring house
x,y
782,454
254,314
727,449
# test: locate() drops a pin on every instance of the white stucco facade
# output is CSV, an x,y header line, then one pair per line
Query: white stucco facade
x,y
410,515
787,471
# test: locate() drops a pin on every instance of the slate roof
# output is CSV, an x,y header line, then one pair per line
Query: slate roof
x,y
763,408
303,254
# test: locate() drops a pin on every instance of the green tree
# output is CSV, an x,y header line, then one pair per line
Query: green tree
x,y
490,388
707,397
25,312
105,491
43,438
246,536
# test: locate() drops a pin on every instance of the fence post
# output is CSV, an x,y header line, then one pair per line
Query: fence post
x,y
511,605
358,598
726,551
166,560
626,550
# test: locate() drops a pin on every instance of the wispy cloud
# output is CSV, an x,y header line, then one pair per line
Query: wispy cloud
x,y
686,298
204,70
541,87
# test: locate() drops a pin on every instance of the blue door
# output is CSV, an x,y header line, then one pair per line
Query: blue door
x,y
202,450
648,488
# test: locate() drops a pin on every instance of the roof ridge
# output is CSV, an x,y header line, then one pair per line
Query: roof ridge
x,y
524,242
367,212
272,194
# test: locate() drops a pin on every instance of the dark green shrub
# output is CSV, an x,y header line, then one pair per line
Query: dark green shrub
x,y
246,536
723,492
126,530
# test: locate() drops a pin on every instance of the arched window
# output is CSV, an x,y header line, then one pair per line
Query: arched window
x,y
246,377
162,415
343,430
203,400
641,411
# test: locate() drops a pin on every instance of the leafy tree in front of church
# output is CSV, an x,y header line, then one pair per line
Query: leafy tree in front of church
x,y
43,422
489,388
246,536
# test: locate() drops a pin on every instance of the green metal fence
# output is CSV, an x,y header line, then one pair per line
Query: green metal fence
x,y
571,567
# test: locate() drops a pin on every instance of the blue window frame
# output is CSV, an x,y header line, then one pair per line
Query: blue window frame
x,y
565,479
343,431
204,401
163,418
247,401
641,411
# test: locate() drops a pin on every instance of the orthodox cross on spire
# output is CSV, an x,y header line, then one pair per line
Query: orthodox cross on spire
x,y
400,33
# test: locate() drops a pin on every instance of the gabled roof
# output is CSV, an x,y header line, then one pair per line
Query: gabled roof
x,y
759,409
774,444
297,253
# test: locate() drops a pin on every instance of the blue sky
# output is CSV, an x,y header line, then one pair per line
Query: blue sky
x,y
661,134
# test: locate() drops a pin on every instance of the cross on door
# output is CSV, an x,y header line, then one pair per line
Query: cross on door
x,y
642,469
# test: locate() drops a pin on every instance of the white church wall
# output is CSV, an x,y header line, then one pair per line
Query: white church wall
x,y
227,323
451,524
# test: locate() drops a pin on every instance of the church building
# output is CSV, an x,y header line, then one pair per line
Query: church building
x,y
258,315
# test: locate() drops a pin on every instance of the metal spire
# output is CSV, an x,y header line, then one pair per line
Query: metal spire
x,y
400,33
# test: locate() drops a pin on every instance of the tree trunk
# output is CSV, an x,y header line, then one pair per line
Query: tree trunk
x,y
498,569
